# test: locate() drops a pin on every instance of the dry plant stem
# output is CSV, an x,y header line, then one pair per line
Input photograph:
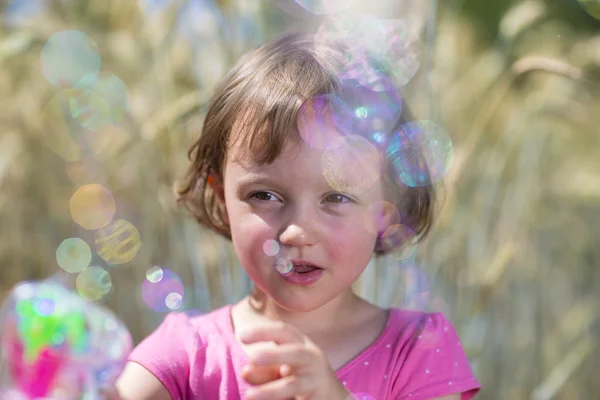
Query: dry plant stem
x,y
519,67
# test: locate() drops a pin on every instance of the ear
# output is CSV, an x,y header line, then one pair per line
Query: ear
x,y
216,184
387,217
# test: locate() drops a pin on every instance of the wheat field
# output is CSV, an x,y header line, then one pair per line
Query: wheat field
x,y
514,257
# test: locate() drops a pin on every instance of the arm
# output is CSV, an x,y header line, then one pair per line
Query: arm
x,y
137,383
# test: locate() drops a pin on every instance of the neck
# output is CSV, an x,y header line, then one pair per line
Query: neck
x,y
312,323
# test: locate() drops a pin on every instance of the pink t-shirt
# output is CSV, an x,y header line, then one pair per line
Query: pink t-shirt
x,y
417,356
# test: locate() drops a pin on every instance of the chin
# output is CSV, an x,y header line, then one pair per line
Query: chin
x,y
300,303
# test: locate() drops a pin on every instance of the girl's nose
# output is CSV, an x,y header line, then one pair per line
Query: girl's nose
x,y
300,231
296,236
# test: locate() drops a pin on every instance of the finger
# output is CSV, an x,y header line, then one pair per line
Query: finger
x,y
293,354
284,388
110,394
258,375
278,332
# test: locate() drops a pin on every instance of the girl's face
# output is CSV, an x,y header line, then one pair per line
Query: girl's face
x,y
314,205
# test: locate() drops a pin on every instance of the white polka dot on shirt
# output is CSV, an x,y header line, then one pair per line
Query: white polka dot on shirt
x,y
426,371
366,363
344,383
445,328
437,350
388,345
449,383
385,377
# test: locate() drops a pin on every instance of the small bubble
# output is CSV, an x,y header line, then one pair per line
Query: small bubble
x,y
154,274
271,247
173,301
284,266
361,112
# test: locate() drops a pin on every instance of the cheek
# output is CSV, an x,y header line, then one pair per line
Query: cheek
x,y
249,234
351,241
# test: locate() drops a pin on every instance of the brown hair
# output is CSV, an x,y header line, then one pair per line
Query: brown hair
x,y
265,92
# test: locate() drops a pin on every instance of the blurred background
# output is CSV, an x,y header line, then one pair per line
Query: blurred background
x,y
513,259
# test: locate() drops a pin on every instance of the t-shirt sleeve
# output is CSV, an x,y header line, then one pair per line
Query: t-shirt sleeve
x,y
436,364
166,353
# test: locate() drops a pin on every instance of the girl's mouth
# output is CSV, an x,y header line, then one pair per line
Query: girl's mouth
x,y
304,268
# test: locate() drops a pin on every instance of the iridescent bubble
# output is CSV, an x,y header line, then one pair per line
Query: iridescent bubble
x,y
401,55
352,165
70,58
271,247
397,238
378,54
592,7
114,94
380,215
154,274
92,206
416,287
322,120
173,301
321,7
164,295
93,283
118,242
368,112
284,266
90,110
63,126
73,255
421,153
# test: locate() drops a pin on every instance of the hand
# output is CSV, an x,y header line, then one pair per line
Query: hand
x,y
286,364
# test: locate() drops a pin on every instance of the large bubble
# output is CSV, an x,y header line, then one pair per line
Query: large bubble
x,y
351,165
114,94
92,206
164,294
421,153
377,54
73,255
321,7
70,58
56,345
416,287
71,121
366,112
93,283
323,120
118,242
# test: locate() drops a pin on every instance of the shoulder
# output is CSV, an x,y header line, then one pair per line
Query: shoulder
x,y
431,359
183,332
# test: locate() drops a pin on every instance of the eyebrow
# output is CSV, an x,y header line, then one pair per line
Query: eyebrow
x,y
255,179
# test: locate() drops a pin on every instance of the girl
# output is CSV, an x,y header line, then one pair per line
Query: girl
x,y
307,192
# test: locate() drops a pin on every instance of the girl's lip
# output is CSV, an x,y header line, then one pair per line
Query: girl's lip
x,y
302,262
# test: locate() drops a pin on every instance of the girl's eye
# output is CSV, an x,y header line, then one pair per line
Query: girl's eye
x,y
263,196
337,198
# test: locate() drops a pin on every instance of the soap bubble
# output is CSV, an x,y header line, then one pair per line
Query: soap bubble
x,y
93,283
70,58
421,153
55,343
73,255
321,7
166,294
92,206
118,242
